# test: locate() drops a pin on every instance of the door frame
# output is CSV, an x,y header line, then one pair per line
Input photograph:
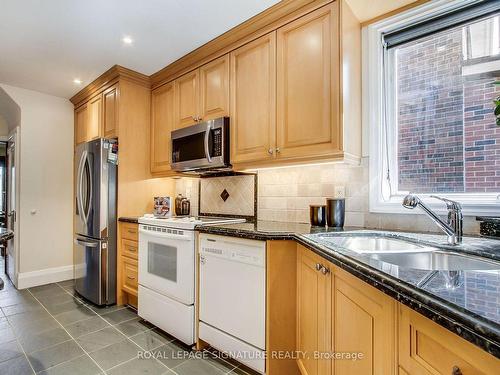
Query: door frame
x,y
14,137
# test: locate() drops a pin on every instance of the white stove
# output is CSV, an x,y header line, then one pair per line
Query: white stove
x,y
187,222
167,272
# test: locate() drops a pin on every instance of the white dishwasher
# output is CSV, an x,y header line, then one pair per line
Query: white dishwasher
x,y
233,297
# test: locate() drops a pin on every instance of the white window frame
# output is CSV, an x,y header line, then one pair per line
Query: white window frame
x,y
380,199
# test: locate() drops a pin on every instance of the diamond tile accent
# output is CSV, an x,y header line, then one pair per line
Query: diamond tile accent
x,y
224,195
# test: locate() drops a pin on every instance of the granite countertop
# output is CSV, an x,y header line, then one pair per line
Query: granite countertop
x,y
471,308
129,219
6,234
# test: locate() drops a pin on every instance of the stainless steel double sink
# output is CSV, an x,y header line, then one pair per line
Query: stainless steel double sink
x,y
408,254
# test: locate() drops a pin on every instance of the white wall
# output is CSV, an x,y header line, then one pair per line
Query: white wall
x,y
46,186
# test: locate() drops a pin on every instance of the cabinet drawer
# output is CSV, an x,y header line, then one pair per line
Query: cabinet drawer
x,y
129,248
130,231
427,348
129,275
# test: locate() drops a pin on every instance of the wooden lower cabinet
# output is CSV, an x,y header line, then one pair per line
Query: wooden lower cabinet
x,y
314,309
127,267
425,348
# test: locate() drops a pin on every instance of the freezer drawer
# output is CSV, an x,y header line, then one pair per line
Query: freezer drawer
x,y
95,270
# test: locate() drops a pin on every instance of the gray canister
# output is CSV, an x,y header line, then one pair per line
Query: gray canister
x,y
335,212
317,215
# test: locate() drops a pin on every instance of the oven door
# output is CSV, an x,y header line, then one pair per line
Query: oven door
x,y
166,262
201,146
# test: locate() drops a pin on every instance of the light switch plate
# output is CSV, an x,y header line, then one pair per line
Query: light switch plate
x,y
339,192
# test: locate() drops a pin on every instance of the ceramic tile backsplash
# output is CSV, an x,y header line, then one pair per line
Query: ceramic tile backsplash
x,y
188,187
285,194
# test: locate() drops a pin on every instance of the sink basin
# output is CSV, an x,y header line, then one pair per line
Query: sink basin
x,y
364,244
437,260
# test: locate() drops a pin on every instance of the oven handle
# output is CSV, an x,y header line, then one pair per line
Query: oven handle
x,y
207,135
165,235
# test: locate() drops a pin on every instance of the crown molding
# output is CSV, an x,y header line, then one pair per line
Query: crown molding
x,y
108,78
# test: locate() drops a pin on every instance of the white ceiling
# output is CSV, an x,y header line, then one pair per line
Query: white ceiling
x,y
44,45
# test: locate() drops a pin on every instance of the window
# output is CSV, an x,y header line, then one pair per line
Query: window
x,y
437,131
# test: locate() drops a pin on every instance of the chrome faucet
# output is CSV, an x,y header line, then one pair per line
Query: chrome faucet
x,y
453,228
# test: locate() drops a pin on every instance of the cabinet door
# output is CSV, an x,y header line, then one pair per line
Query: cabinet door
x,y
162,123
425,348
307,85
186,91
81,114
110,109
214,89
94,118
253,100
313,313
363,322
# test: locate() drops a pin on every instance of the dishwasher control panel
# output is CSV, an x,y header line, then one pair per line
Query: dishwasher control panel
x,y
233,249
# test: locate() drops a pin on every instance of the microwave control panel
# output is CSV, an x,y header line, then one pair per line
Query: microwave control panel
x,y
217,134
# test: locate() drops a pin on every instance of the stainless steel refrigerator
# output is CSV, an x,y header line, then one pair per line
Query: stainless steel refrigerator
x,y
95,222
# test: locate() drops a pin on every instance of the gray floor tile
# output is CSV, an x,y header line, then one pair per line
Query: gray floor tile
x,y
79,366
33,342
75,315
46,358
86,326
115,354
6,334
4,322
66,283
21,308
46,290
171,354
28,316
119,316
140,367
35,326
133,327
198,367
56,299
100,339
16,366
10,299
101,310
9,350
148,340
55,309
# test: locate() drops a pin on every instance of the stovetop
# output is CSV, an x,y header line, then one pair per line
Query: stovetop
x,y
187,222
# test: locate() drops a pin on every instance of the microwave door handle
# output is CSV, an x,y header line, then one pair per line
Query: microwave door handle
x,y
207,135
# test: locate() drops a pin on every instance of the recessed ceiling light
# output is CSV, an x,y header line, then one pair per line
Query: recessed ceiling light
x,y
77,81
127,40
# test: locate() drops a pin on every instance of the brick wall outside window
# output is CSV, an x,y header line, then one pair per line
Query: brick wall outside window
x,y
447,137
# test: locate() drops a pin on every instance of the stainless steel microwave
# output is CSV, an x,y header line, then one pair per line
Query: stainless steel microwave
x,y
201,147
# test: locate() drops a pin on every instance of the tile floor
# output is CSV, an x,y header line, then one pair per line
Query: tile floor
x,y
49,330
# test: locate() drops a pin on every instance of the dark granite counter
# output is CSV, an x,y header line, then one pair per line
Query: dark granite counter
x,y
129,219
465,302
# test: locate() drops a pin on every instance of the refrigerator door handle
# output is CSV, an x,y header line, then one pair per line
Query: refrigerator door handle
x,y
89,188
79,188
86,243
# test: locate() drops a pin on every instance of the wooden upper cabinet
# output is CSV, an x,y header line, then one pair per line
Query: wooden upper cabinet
x,y
81,114
363,321
214,89
253,100
307,85
162,123
94,118
110,112
187,91
313,312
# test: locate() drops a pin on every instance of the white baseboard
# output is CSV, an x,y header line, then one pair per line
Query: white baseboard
x,y
42,277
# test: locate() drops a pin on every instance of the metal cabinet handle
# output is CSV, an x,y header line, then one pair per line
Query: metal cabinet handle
x,y
130,278
278,150
270,151
132,231
131,249
318,266
325,270
456,371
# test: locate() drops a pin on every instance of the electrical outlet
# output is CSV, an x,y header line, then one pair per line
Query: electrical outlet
x,y
339,192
